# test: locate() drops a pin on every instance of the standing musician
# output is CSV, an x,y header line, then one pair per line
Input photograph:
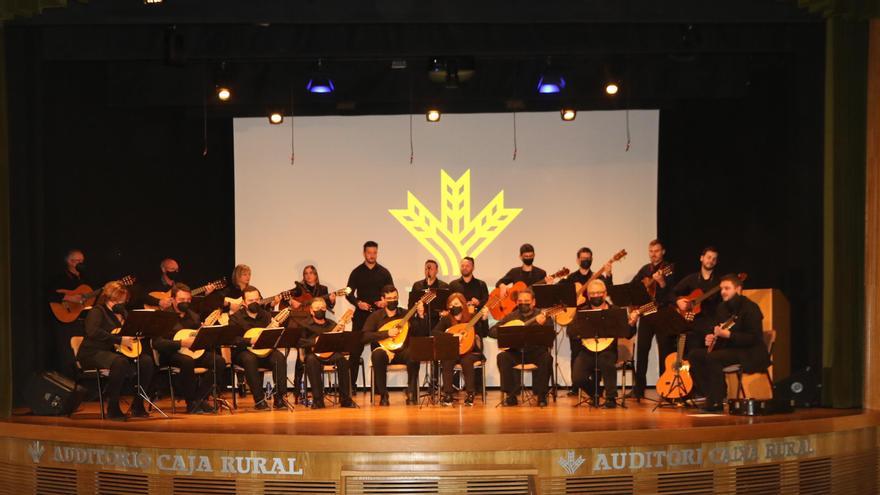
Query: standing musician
x,y
474,290
584,366
430,282
527,273
97,349
70,278
252,315
314,325
458,312
648,327
170,273
311,285
537,355
581,276
380,357
170,355
706,279
743,343
366,282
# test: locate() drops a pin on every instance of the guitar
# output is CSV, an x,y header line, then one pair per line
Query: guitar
x,y
216,317
566,317
651,284
130,351
306,298
508,304
602,343
696,297
340,326
68,311
667,385
239,301
465,331
727,325
254,333
215,285
402,324
548,312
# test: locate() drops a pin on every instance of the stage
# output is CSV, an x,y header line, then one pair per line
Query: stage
x,y
433,449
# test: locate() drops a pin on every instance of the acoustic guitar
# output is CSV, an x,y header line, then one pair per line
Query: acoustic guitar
x,y
340,326
696,298
391,344
602,343
465,331
185,334
727,325
676,381
508,303
198,291
306,298
68,311
254,333
239,301
130,351
651,284
566,317
547,312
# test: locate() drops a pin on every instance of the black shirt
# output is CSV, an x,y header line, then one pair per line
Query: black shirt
x,y
517,274
578,277
747,333
380,317
475,289
311,329
242,320
63,280
696,281
516,314
447,321
189,321
664,295
302,288
366,284
100,321
158,286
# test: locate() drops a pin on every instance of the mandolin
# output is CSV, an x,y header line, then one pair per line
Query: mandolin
x,y
566,317
254,333
185,334
68,311
340,326
602,343
402,324
670,387
508,303
130,351
651,284
727,325
465,331
198,291
548,312
696,297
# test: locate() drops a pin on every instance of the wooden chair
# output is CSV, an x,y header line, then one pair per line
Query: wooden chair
x,y
478,365
752,385
96,373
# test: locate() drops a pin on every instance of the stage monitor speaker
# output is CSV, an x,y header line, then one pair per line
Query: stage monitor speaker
x,y
53,394
801,389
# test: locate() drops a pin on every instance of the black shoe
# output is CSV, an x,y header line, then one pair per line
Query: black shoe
x,y
542,401
261,406
138,411
710,408
511,400
318,404
469,399
610,403
412,399
278,403
446,400
115,414
194,408
635,393
348,404
384,400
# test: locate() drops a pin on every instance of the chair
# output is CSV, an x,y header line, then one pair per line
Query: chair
x,y
172,371
392,368
234,370
626,360
96,373
478,365
525,396
737,380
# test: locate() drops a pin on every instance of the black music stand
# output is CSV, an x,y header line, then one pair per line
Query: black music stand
x,y
631,294
338,342
432,350
548,296
520,337
278,338
600,324
205,305
208,338
148,324
228,336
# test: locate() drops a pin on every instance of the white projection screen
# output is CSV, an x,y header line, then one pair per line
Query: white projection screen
x,y
572,184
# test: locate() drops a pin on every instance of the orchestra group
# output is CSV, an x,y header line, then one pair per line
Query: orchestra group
x,y
720,327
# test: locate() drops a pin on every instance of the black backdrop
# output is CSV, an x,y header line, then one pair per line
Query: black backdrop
x,y
129,184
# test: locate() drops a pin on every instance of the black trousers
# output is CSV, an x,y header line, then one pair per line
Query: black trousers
x,y
121,368
707,370
354,354
314,366
380,361
648,329
576,348
186,381
61,358
510,378
275,362
467,370
584,374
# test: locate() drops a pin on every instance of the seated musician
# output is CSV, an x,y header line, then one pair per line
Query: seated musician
x,y
310,285
743,343
169,354
252,315
97,349
537,355
458,312
234,293
585,364
381,357
313,325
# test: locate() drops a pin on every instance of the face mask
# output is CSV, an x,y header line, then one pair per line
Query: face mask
x,y
524,308
171,275
118,308
596,301
586,264
253,307
183,307
528,261
391,305
455,310
80,267
319,314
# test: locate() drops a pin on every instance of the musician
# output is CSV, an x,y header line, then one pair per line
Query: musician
x,y
457,312
583,274
741,344
241,279
98,351
429,282
253,315
380,357
72,276
309,285
649,325
474,290
314,325
170,271
584,366
366,282
527,273
170,355
537,355
705,280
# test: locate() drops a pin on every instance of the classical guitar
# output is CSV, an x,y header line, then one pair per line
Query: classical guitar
x,y
198,291
651,284
340,326
132,350
185,334
254,333
676,381
508,303
602,343
465,331
696,298
68,311
239,301
547,312
727,325
566,317
402,324
306,298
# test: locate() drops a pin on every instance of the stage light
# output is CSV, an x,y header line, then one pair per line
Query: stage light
x,y
432,115
152,2
612,88
320,82
550,83
223,93
568,114
276,118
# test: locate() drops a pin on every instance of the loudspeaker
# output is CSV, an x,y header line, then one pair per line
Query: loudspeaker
x,y
52,394
801,389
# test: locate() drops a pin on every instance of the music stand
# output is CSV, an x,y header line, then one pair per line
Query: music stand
x,y
228,336
337,343
547,296
432,349
148,324
205,305
208,338
275,338
520,337
600,324
631,294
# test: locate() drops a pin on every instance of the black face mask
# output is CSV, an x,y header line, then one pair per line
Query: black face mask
x,y
586,264
171,275
391,305
455,310
320,314
183,307
525,308
118,308
80,267
597,301
253,307
528,261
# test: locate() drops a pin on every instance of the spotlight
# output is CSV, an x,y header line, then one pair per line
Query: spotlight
x,y
152,2
320,82
612,88
550,82
223,93
276,118
568,114
432,115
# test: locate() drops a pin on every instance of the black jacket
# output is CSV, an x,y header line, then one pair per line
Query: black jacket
x,y
747,333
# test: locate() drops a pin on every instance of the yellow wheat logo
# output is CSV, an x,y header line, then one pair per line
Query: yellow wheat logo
x,y
455,235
